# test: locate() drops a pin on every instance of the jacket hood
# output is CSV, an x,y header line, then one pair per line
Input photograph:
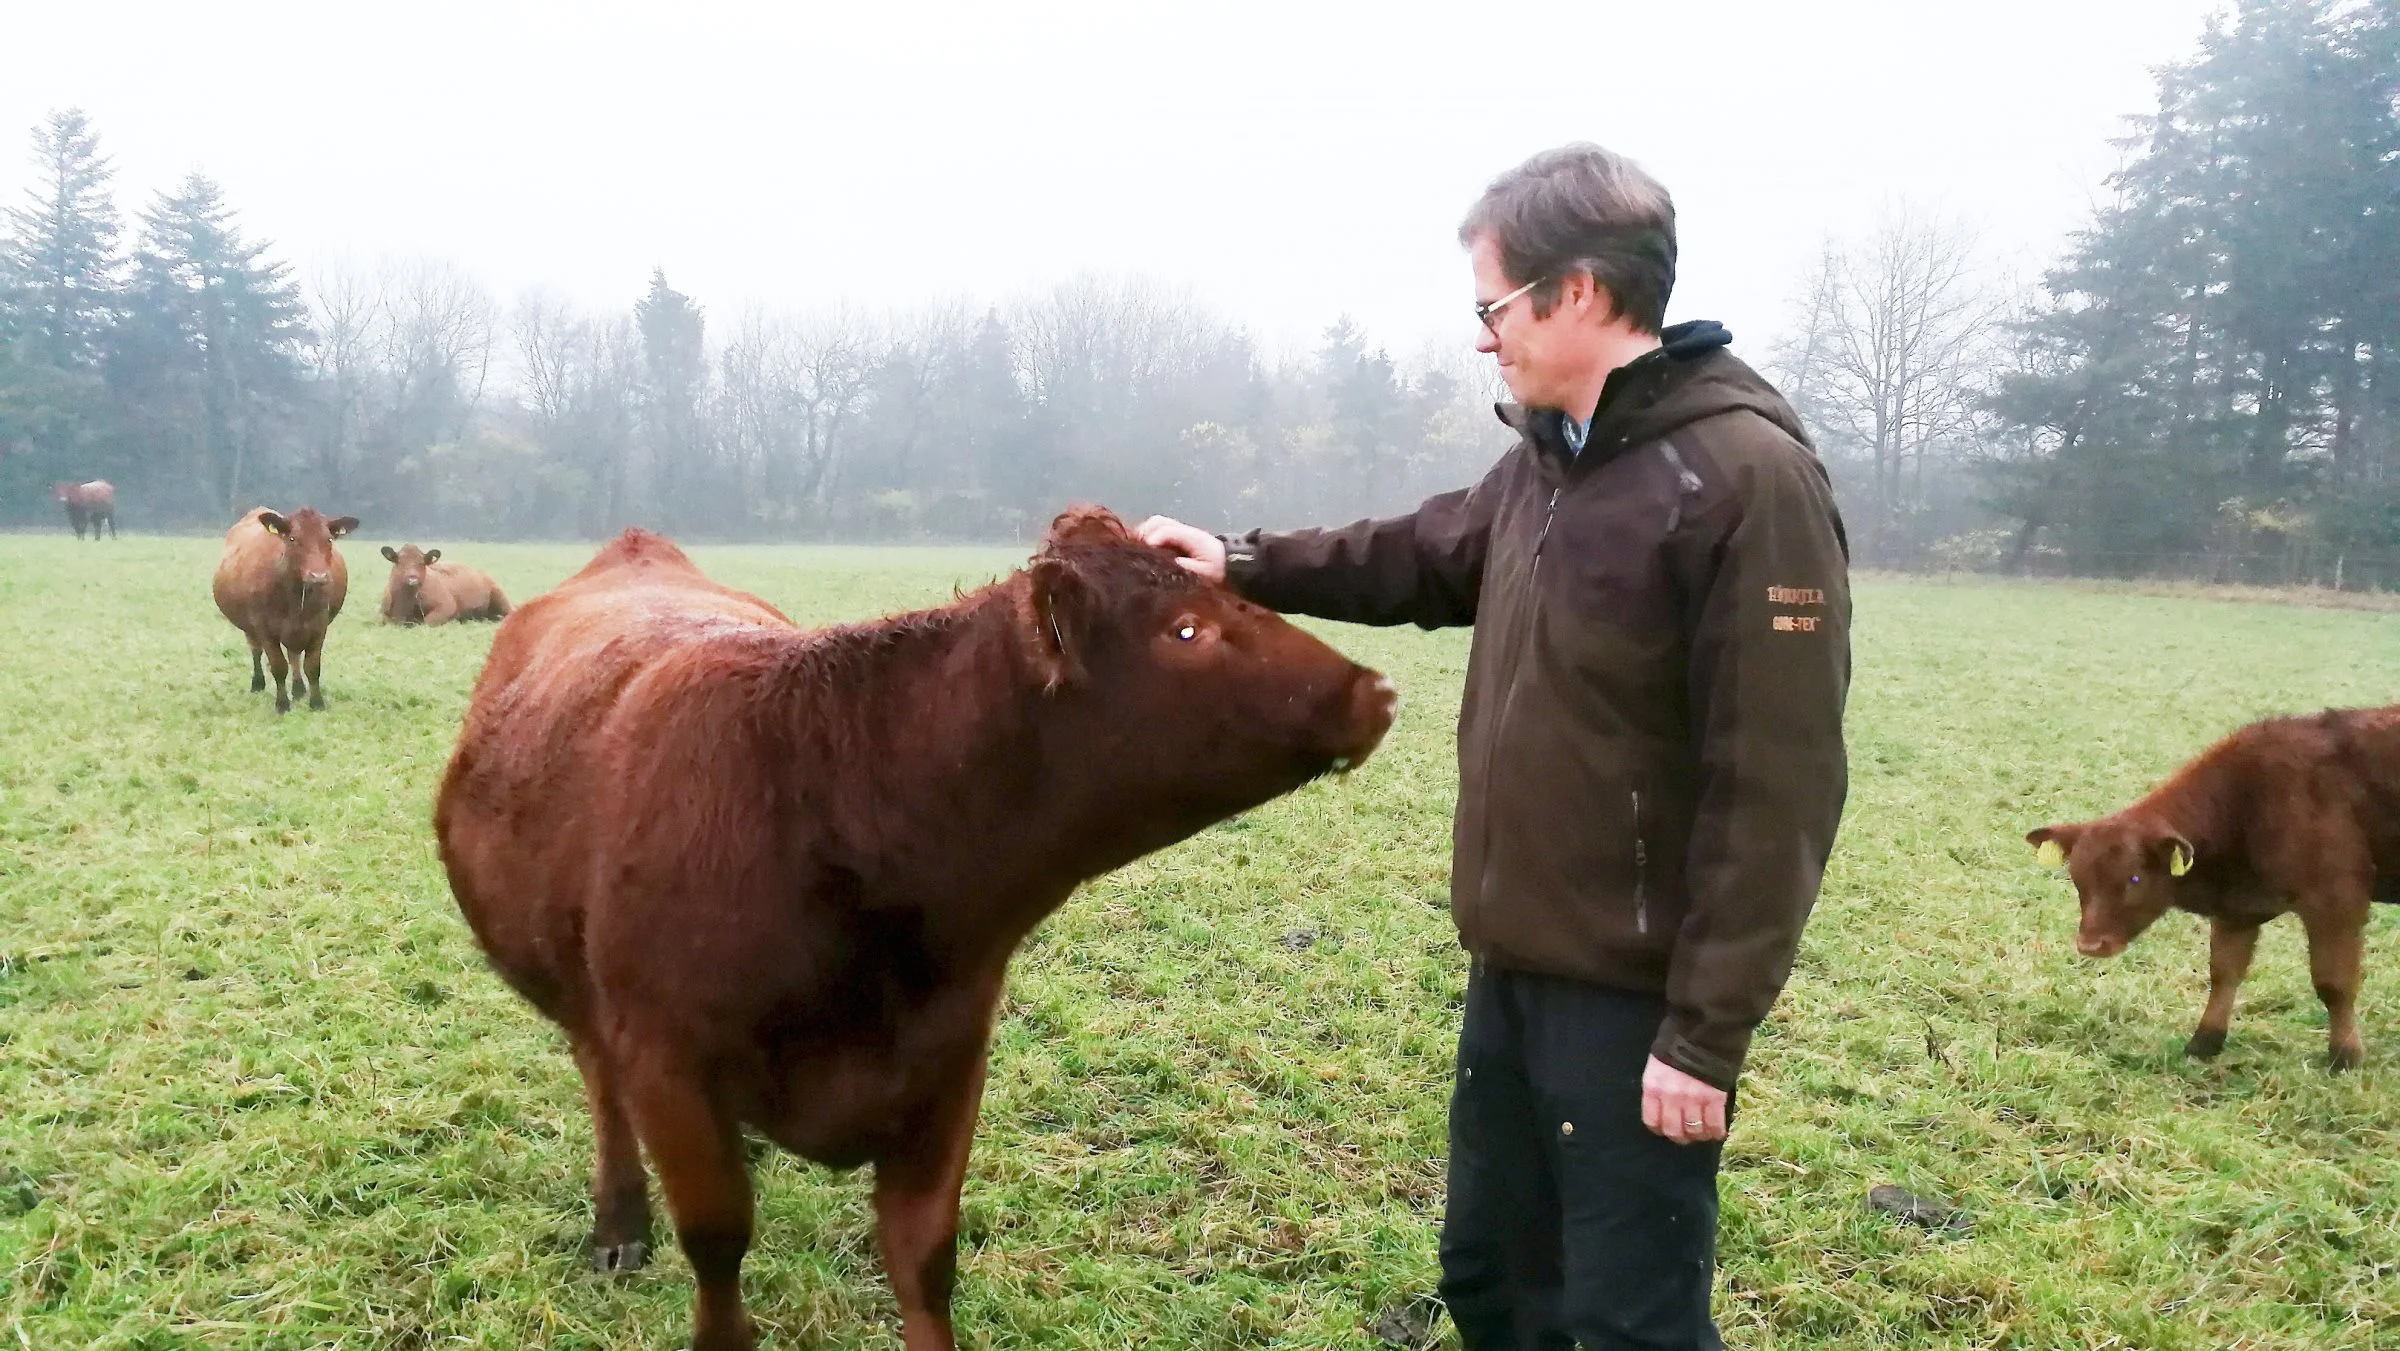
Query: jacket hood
x,y
1689,377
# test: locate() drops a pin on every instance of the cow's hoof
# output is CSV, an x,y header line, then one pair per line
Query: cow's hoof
x,y
316,701
2345,1058
618,1258
282,706
2205,1045
257,684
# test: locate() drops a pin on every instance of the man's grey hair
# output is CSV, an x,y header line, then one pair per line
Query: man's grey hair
x,y
1580,208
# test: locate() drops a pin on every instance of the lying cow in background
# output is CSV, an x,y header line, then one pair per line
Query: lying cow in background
x,y
425,590
92,503
281,582
773,877
2290,815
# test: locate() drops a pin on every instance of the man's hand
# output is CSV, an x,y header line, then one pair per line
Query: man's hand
x,y
1197,550
1680,1107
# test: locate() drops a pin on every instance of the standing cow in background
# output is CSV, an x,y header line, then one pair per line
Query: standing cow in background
x,y
281,581
425,590
2286,816
93,503
773,877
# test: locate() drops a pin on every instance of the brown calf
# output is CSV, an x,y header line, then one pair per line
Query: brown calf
x,y
281,581
773,877
2290,815
93,503
425,590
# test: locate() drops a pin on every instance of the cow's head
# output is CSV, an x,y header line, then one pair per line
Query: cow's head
x,y
408,571
1180,692
2125,873
309,557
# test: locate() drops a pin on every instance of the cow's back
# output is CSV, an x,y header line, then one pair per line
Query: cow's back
x,y
471,590
533,804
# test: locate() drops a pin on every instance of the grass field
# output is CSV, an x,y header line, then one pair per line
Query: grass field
x,y
258,1090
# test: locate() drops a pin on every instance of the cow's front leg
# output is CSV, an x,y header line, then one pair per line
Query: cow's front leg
x,y
916,1212
2230,947
697,1148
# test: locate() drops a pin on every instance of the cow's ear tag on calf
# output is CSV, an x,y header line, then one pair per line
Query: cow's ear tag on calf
x,y
2179,859
2050,855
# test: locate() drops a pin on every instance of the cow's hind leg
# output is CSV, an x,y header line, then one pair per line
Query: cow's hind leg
x,y
2229,950
258,663
697,1149
916,1214
2337,940
620,1189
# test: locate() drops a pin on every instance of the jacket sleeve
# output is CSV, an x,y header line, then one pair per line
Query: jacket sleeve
x,y
1424,568
1769,673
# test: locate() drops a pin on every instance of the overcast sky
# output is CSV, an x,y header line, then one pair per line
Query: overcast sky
x,y
1288,162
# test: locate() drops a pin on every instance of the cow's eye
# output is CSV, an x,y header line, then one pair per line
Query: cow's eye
x,y
1187,633
2137,880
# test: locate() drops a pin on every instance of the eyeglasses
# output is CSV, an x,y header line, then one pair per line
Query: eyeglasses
x,y
1486,310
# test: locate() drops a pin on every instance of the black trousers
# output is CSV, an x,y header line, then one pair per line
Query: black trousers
x,y
1569,1223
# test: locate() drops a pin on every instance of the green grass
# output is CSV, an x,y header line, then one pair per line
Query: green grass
x,y
258,1090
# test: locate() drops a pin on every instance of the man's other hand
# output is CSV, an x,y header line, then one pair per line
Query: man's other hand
x,y
1680,1107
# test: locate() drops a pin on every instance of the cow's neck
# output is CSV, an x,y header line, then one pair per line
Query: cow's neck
x,y
931,722
2197,803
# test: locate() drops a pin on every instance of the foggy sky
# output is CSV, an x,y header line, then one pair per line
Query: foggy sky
x,y
1288,162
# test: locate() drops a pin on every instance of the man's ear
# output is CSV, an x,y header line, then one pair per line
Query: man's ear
x,y
1055,595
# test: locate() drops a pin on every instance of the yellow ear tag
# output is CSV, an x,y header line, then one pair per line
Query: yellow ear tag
x,y
2050,855
2180,862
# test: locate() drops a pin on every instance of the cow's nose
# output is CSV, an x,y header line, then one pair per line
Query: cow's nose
x,y
317,578
411,583
1373,701
2096,945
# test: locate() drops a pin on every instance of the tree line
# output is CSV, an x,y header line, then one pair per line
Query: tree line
x,y
187,364
2205,381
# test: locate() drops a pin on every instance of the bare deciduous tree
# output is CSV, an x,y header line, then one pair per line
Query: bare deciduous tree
x,y
1893,341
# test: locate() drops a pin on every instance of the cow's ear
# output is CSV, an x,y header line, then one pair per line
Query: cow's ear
x,y
432,556
341,525
2176,854
2052,844
389,556
274,523
1054,595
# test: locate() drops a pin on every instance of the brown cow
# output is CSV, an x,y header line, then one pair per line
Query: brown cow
x,y
281,582
92,502
425,590
2290,815
773,877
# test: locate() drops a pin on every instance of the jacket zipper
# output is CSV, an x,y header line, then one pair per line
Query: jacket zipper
x,y
1641,870
1508,701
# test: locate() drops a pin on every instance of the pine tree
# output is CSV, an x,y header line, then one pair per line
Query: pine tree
x,y
59,262
210,351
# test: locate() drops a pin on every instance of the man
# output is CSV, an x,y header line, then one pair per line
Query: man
x,y
1651,767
